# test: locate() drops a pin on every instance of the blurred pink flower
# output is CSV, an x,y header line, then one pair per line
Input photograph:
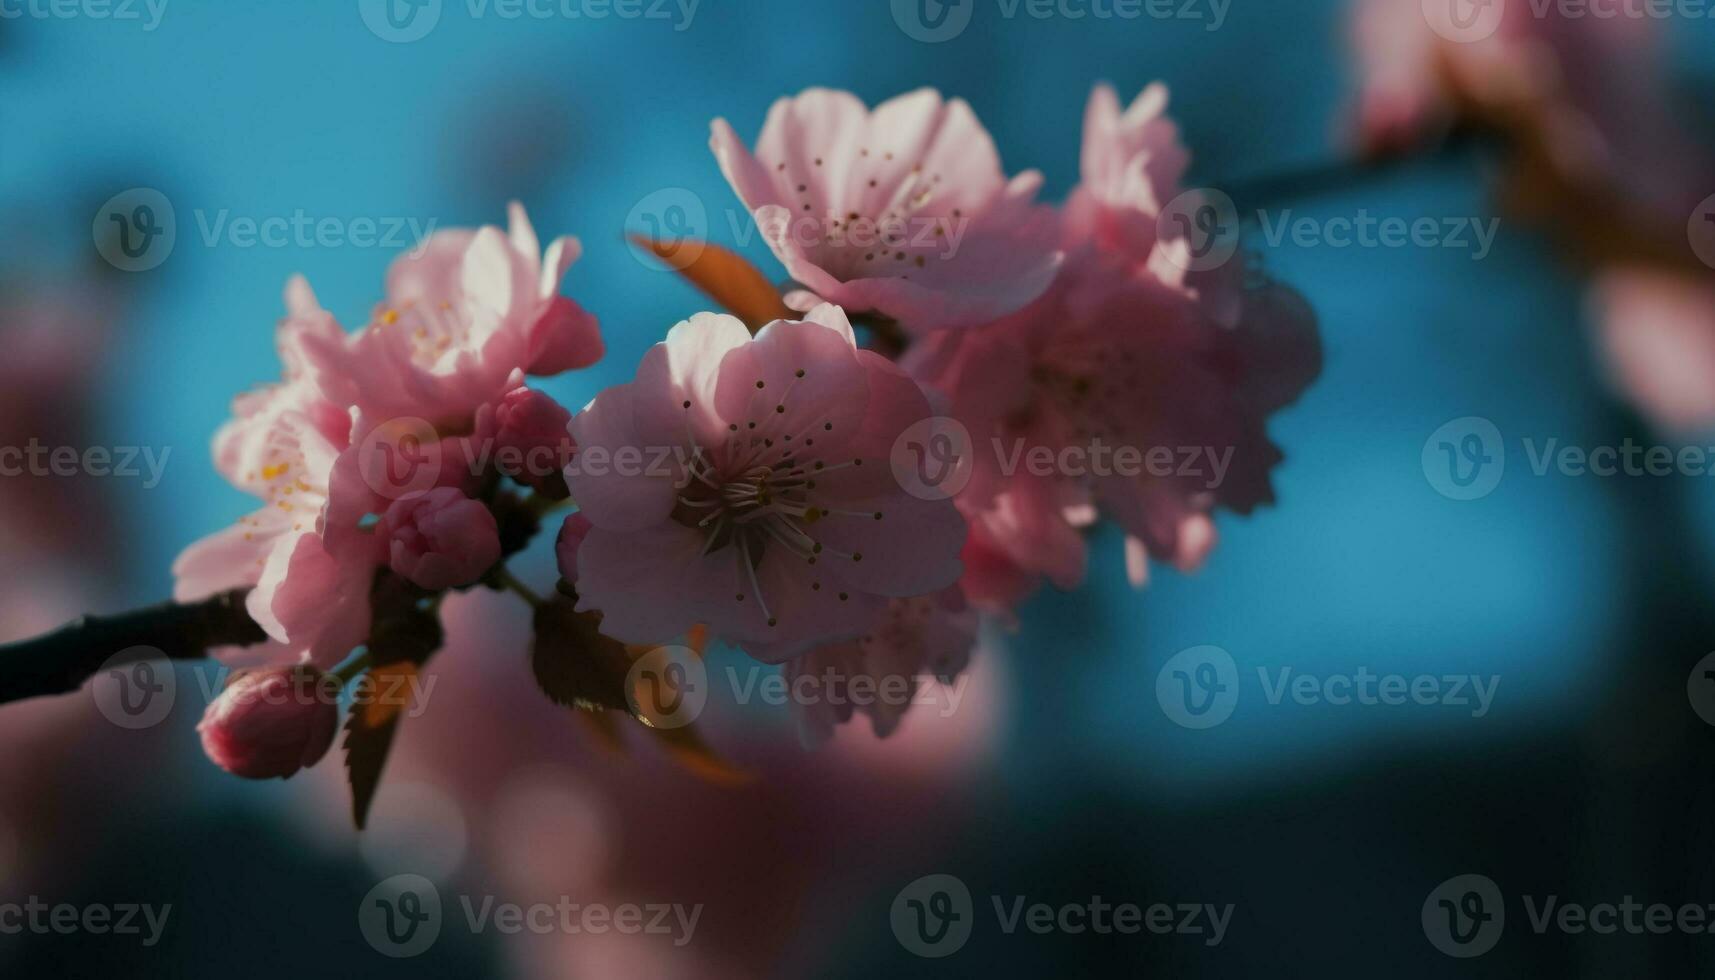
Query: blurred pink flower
x,y
440,540
1596,85
1657,330
268,724
880,673
1600,156
758,498
460,317
903,210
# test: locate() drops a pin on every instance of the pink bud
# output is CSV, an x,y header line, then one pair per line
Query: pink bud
x,y
566,546
532,440
440,540
270,723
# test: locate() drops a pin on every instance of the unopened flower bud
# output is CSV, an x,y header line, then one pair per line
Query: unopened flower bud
x,y
440,540
270,723
532,443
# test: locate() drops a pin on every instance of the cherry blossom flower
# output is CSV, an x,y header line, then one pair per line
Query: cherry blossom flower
x,y
902,211
309,575
880,673
458,320
1131,166
1128,352
750,489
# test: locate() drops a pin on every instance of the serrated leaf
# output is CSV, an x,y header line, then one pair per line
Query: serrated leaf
x,y
403,638
575,665
369,735
725,276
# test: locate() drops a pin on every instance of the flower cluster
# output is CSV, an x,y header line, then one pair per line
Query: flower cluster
x,y
753,479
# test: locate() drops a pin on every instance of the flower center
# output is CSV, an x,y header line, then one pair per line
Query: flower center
x,y
760,495
430,329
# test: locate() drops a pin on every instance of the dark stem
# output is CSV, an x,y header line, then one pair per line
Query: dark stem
x,y
60,662
1332,177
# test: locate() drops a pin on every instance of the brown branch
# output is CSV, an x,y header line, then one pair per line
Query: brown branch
x,y
60,662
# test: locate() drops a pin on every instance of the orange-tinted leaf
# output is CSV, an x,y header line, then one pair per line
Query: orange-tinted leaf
x,y
369,733
725,276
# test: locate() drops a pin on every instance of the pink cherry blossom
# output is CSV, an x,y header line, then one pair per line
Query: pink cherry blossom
x,y
1131,166
309,568
459,318
1125,351
750,489
880,673
268,724
440,540
903,210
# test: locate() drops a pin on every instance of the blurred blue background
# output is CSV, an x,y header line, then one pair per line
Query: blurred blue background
x,y
264,109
